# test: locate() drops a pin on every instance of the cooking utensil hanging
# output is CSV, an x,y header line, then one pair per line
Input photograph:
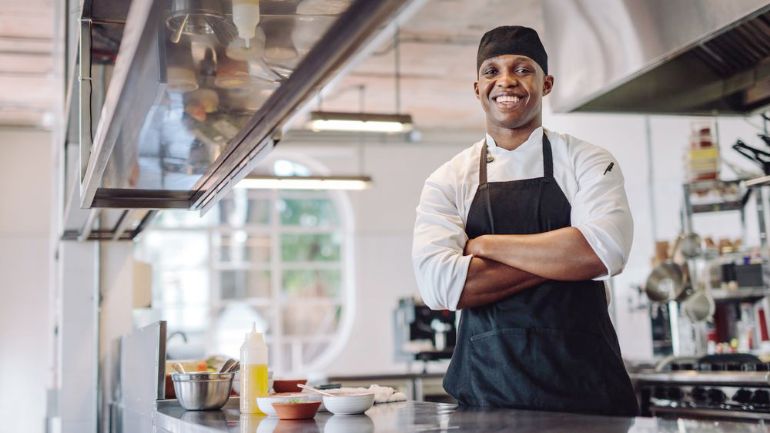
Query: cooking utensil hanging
x,y
759,156
666,282
690,245
699,306
669,280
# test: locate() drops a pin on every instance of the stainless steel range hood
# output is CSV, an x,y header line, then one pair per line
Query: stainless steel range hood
x,y
178,98
691,57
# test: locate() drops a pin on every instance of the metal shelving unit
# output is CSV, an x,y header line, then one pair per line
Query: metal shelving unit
x,y
759,184
739,293
734,202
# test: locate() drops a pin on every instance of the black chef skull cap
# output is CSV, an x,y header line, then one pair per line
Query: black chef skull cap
x,y
518,40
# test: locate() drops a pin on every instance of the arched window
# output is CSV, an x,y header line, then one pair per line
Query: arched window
x,y
279,258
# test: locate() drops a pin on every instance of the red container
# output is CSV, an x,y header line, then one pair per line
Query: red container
x,y
288,385
302,410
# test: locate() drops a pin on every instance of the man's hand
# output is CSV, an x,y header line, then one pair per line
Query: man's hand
x,y
473,247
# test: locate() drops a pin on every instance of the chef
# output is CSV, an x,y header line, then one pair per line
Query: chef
x,y
518,231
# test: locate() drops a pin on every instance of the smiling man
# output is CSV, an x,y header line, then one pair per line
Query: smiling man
x,y
518,231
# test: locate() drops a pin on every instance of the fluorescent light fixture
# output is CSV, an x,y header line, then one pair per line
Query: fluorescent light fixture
x,y
306,182
360,122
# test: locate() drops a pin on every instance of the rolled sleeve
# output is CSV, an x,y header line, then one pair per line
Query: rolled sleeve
x,y
437,249
600,208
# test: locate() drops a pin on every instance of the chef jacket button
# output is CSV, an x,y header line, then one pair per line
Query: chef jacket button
x,y
490,158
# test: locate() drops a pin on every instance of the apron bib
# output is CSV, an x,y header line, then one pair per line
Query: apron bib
x,y
551,347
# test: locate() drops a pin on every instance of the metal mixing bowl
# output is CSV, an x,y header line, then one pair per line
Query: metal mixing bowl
x,y
202,391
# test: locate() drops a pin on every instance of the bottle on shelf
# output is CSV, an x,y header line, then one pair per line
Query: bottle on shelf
x,y
246,17
702,158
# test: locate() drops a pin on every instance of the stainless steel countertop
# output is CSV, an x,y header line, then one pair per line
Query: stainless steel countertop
x,y
711,377
386,376
426,417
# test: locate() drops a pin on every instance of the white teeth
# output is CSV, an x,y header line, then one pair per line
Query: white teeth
x,y
506,98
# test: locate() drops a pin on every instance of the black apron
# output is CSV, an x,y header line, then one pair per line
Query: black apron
x,y
551,347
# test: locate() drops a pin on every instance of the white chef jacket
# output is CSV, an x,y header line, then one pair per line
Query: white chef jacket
x,y
582,170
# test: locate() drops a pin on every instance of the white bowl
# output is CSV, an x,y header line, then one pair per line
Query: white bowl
x,y
349,404
265,404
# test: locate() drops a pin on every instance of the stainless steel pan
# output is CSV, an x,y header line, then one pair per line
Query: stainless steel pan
x,y
666,282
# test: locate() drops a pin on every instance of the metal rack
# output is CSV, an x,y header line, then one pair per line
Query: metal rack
x,y
759,184
735,204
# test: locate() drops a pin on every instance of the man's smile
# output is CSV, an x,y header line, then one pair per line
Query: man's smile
x,y
508,102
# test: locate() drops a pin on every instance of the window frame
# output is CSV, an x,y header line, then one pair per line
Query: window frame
x,y
278,341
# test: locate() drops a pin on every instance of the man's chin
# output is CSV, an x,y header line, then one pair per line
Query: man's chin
x,y
514,123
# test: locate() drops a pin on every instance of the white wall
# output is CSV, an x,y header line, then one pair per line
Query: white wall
x,y
25,214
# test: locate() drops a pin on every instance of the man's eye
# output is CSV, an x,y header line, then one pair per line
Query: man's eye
x,y
522,70
489,71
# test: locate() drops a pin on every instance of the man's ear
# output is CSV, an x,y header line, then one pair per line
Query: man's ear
x,y
547,84
476,89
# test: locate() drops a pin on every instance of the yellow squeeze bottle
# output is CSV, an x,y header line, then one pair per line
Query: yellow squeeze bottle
x,y
254,381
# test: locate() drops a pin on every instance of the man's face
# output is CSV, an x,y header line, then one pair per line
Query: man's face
x,y
511,89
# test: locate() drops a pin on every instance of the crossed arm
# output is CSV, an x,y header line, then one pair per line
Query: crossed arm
x,y
506,264
493,267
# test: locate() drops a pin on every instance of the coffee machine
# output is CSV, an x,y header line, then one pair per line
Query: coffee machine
x,y
422,334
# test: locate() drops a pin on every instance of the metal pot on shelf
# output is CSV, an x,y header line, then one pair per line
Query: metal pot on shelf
x,y
699,306
670,280
690,245
666,282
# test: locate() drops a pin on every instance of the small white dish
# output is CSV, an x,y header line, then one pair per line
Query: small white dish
x,y
349,404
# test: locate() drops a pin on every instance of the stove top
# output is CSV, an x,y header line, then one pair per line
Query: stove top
x,y
721,362
721,366
723,386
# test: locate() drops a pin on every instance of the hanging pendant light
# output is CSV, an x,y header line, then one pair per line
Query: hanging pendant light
x,y
306,182
363,122
389,123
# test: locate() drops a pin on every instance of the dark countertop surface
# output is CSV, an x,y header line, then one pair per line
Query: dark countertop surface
x,y
415,417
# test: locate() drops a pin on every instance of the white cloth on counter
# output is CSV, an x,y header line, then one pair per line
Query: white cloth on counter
x,y
382,394
588,175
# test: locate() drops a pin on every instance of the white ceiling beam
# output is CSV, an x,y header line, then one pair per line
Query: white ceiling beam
x,y
25,119
27,90
19,63
28,26
26,45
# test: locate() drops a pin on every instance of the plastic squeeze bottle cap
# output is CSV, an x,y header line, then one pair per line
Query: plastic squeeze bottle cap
x,y
253,336
246,18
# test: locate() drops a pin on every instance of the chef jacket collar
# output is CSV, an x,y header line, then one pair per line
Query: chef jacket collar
x,y
535,137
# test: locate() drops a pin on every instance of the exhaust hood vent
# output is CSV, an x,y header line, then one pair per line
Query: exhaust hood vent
x,y
687,57
738,49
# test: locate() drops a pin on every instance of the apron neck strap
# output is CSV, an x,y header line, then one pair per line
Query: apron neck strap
x,y
484,187
483,164
547,157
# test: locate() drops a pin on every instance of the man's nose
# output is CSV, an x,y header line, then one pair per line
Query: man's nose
x,y
507,80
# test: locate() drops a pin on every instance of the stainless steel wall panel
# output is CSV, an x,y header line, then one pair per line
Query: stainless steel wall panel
x,y
142,367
